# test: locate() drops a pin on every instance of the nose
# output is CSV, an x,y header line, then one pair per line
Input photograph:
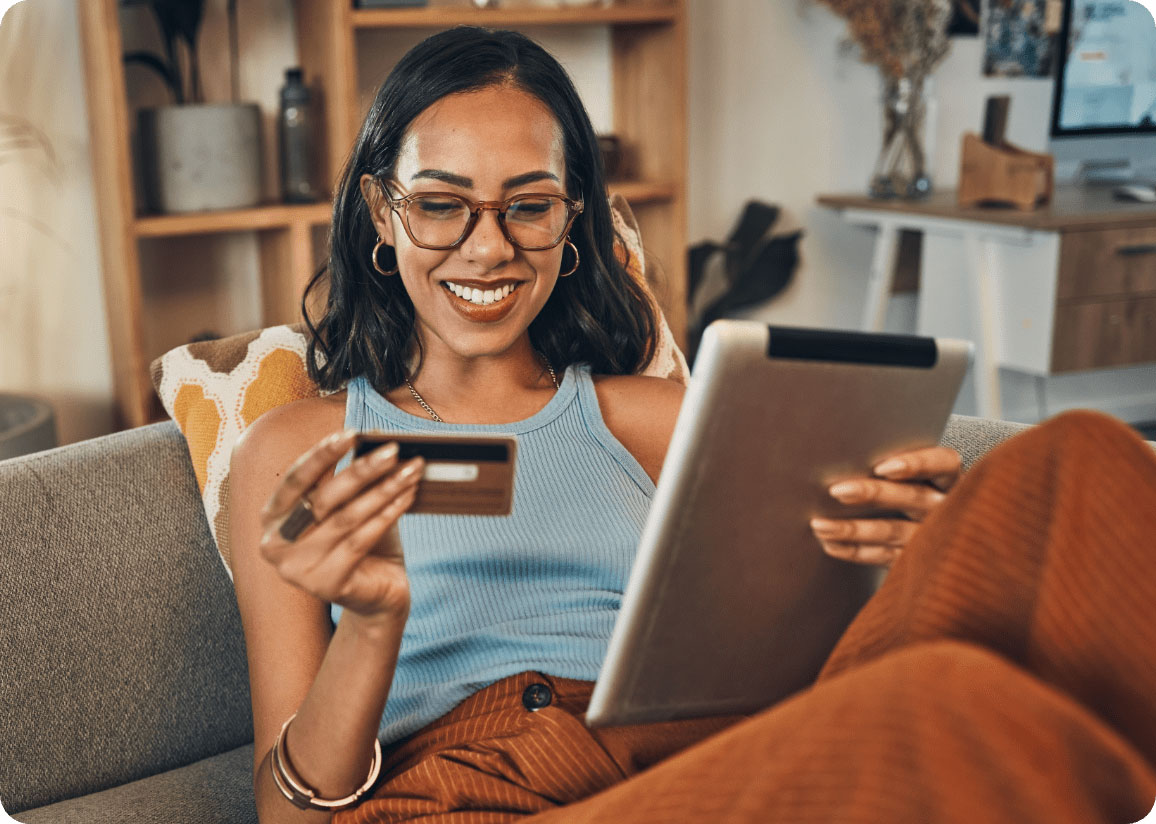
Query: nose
x,y
487,243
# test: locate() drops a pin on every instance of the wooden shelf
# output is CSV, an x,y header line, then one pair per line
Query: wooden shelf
x,y
440,17
639,192
647,43
274,216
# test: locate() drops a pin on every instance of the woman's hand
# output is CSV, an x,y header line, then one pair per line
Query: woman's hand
x,y
349,553
913,483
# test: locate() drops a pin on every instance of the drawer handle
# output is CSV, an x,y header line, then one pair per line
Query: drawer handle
x,y
1137,249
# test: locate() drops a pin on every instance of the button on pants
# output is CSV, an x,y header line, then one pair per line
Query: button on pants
x,y
1004,672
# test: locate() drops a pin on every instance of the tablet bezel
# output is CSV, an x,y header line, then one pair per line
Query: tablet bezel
x,y
697,635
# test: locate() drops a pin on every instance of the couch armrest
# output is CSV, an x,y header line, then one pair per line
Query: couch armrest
x,y
973,437
122,647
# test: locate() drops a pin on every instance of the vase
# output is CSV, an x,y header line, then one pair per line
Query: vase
x,y
198,157
901,169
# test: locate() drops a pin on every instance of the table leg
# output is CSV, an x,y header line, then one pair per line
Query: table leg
x,y
881,275
987,356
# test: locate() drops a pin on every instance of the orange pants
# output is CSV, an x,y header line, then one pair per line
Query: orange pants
x,y
1004,672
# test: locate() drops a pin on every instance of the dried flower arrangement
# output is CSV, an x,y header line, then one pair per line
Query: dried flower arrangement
x,y
907,40
901,37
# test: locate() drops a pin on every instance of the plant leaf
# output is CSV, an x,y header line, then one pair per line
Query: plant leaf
x,y
768,273
160,67
180,17
697,257
770,269
743,241
181,20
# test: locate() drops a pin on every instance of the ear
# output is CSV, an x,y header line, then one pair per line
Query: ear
x,y
379,210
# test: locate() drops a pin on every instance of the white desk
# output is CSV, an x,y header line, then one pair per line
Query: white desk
x,y
1068,287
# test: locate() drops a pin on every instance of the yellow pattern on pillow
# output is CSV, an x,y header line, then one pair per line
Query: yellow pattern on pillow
x,y
214,390
200,420
280,375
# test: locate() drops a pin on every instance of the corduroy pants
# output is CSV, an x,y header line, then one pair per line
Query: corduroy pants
x,y
1004,672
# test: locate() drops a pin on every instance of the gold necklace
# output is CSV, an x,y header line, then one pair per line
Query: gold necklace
x,y
434,415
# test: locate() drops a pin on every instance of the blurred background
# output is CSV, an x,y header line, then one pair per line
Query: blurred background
x,y
707,105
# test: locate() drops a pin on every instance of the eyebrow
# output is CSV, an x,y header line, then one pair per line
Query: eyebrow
x,y
468,183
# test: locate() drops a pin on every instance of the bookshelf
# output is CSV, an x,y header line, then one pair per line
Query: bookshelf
x,y
647,52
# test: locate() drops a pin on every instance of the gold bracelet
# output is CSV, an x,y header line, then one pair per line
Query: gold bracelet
x,y
301,796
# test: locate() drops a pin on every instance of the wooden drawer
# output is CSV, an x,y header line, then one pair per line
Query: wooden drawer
x,y
1107,263
1100,334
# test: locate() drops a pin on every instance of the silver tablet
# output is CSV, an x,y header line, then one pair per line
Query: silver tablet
x,y
732,605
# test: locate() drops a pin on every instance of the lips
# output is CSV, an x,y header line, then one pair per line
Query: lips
x,y
482,295
461,296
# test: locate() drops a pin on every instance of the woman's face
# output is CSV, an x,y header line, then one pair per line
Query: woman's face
x,y
490,145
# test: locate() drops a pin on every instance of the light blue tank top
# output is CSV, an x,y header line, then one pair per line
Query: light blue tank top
x,y
536,591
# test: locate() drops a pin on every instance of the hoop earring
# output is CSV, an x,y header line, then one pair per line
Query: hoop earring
x,y
577,258
376,265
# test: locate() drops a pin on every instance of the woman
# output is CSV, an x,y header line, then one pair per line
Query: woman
x,y
472,288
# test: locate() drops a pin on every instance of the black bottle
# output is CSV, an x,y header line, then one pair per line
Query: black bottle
x,y
296,125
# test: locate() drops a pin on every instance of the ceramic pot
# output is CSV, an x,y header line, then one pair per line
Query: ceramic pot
x,y
202,156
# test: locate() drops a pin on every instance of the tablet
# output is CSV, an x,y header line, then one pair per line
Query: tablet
x,y
732,605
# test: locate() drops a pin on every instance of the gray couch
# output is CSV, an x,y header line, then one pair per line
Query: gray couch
x,y
124,696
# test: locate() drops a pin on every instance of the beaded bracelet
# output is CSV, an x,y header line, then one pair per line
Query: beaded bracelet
x,y
301,796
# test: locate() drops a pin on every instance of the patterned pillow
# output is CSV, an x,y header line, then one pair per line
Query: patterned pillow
x,y
214,390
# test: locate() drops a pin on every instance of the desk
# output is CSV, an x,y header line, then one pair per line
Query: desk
x,y
1068,287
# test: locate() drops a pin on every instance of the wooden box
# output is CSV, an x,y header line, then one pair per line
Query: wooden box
x,y
1004,174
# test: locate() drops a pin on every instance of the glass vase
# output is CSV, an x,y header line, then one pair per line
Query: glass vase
x,y
901,169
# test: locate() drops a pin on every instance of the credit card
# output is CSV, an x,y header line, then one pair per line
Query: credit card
x,y
464,474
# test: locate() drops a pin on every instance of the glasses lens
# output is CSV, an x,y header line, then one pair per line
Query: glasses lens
x,y
537,221
437,220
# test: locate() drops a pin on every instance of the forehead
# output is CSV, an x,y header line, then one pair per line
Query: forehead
x,y
492,133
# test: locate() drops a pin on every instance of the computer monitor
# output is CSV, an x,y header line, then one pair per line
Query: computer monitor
x,y
1104,106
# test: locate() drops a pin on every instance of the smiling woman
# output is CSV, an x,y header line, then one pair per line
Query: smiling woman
x,y
472,287
413,666
493,123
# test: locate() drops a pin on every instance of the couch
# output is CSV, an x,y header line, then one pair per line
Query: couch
x,y
124,696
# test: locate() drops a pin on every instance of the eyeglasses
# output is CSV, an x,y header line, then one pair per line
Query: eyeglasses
x,y
443,220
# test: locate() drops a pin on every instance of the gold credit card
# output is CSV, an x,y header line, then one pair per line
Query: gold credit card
x,y
464,475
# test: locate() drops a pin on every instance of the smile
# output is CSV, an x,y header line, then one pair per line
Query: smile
x,y
478,297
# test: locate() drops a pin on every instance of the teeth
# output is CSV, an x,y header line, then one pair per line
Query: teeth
x,y
477,296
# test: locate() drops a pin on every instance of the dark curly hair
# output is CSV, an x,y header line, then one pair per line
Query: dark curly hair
x,y
599,315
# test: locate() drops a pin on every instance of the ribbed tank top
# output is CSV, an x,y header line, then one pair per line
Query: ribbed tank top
x,y
538,590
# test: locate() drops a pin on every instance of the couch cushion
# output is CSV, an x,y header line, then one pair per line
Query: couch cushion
x,y
217,790
122,649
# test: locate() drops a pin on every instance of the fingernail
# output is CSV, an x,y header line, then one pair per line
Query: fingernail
x,y
844,490
891,466
412,468
384,454
839,550
824,526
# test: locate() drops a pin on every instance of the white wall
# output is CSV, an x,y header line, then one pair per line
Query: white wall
x,y
779,113
53,341
776,113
